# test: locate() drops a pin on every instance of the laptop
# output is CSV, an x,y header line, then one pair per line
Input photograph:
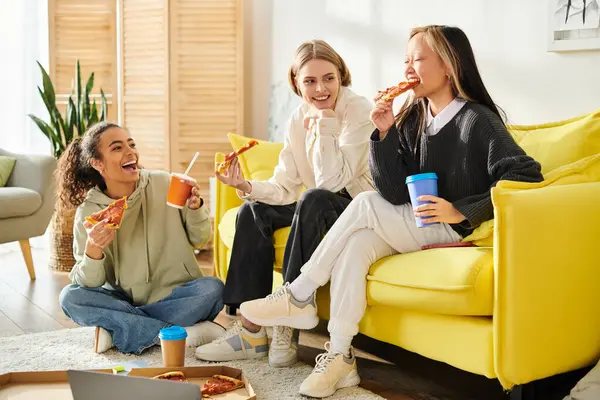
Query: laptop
x,y
86,385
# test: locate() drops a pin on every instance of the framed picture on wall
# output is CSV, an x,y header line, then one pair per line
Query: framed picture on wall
x,y
573,25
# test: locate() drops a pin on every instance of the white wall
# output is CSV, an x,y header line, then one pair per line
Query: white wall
x,y
509,39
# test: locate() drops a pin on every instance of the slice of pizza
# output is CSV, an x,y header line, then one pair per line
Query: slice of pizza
x,y
220,384
223,166
395,91
176,376
113,212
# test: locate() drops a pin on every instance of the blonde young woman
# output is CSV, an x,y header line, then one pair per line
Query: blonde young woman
x,y
326,150
449,126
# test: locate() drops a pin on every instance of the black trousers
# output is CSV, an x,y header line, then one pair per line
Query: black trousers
x,y
250,273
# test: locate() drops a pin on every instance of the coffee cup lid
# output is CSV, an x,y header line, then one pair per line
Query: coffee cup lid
x,y
172,333
421,177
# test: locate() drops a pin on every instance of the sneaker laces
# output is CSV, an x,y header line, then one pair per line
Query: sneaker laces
x,y
282,336
234,330
280,293
323,360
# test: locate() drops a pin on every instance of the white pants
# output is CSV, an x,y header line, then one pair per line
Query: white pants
x,y
370,228
588,388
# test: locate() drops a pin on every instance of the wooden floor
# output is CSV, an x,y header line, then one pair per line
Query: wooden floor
x,y
32,306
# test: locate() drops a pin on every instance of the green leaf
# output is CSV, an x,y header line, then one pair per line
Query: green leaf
x,y
69,125
86,95
50,106
73,120
48,86
90,83
60,128
94,113
49,133
104,112
80,126
85,108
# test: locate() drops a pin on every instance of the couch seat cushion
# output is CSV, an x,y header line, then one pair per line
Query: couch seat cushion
x,y
455,281
18,202
227,232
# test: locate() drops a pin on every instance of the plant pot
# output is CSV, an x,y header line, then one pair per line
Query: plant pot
x,y
61,242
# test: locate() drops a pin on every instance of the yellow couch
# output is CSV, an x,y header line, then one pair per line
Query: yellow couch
x,y
524,304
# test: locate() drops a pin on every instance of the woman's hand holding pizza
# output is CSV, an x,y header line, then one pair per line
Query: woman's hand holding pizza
x,y
99,236
382,117
234,177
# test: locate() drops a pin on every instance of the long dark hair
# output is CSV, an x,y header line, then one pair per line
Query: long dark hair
x,y
454,48
75,174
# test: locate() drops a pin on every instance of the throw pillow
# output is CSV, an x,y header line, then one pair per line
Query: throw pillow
x,y
258,163
6,166
581,171
560,143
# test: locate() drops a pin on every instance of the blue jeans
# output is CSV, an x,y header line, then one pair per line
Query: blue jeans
x,y
135,329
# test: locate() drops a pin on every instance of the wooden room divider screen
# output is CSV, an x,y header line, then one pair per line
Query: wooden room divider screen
x,y
172,69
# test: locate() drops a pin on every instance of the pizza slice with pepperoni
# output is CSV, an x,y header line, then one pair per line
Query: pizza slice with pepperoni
x,y
219,384
395,91
223,166
113,213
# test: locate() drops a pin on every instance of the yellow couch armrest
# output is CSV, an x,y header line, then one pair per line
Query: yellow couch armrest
x,y
547,280
226,198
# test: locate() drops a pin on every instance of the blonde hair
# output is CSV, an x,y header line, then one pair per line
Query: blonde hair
x,y
317,50
452,46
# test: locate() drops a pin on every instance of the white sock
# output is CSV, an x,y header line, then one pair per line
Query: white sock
x,y
303,287
341,344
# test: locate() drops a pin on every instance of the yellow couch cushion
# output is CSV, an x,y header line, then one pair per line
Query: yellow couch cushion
x,y
258,163
454,281
560,143
227,231
582,171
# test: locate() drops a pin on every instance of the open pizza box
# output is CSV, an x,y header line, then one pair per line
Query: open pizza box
x,y
54,385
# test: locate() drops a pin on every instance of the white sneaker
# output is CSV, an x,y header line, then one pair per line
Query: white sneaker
x,y
282,309
102,340
202,333
237,343
333,371
283,351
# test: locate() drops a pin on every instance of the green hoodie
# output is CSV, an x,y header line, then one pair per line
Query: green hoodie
x,y
152,251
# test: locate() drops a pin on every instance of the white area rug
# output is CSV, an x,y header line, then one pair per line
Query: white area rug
x,y
72,349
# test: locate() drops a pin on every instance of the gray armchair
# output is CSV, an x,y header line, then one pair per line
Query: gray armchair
x,y
27,201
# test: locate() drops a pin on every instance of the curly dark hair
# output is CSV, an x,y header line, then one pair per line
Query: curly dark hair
x,y
75,174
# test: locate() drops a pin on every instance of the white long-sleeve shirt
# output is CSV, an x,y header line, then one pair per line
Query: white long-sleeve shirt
x,y
333,155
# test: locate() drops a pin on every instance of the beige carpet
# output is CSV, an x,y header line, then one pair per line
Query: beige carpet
x,y
72,349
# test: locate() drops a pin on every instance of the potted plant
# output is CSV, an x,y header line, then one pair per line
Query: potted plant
x,y
80,113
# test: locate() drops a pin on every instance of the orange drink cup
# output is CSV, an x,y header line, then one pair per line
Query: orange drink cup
x,y
179,191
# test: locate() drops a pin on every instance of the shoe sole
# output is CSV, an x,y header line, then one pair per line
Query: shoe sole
x,y
282,363
96,339
251,354
350,380
301,322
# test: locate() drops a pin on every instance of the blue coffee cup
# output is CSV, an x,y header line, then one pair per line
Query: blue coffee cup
x,y
420,185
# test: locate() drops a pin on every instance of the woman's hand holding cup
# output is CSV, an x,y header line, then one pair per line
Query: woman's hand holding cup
x,y
195,200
